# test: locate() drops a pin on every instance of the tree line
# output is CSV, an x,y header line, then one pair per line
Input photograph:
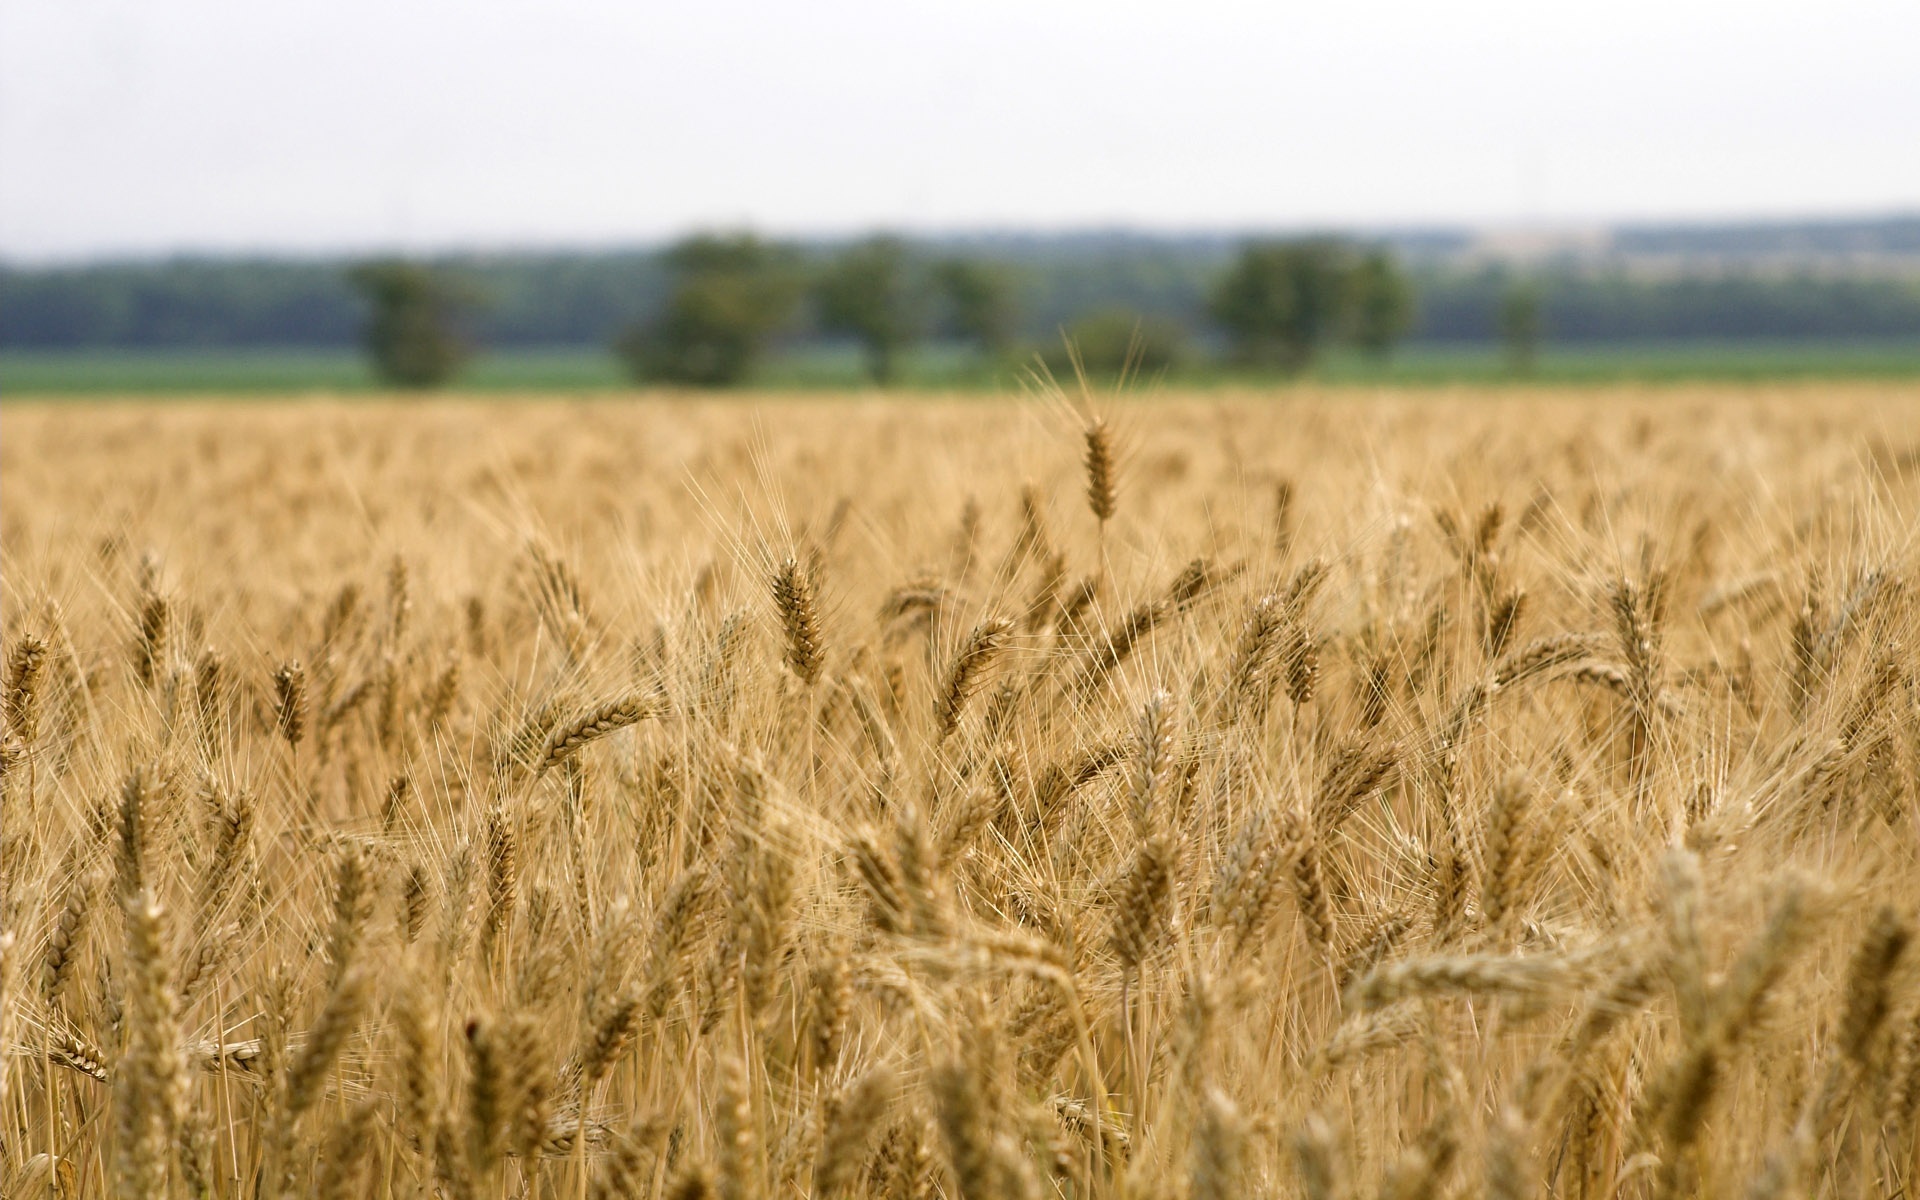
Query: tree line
x,y
728,297
708,309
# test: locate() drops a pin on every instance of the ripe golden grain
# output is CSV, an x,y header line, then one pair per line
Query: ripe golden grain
x,y
1577,863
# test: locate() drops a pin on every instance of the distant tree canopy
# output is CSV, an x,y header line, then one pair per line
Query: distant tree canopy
x,y
183,303
869,293
730,294
409,334
994,289
1282,303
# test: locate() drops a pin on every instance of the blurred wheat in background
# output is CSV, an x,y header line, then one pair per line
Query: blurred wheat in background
x,y
1339,796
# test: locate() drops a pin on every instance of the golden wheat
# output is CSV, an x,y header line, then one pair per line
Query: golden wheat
x,y
1417,796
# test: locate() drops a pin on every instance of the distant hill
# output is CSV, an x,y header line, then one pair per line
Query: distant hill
x,y
1883,239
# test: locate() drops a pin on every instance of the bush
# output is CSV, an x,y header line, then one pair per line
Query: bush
x,y
1116,340
1382,303
979,302
1521,326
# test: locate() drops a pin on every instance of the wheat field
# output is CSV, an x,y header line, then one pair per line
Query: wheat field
x,y
1316,794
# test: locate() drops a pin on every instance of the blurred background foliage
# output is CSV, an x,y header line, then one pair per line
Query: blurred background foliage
x,y
728,308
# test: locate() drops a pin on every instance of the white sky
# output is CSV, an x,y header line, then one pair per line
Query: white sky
x,y
156,125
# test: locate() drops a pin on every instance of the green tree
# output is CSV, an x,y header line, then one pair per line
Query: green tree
x,y
409,332
730,294
1521,326
1117,340
869,294
1282,301
979,301
1382,303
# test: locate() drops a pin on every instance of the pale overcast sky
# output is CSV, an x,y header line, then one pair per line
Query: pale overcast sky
x,y
144,126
